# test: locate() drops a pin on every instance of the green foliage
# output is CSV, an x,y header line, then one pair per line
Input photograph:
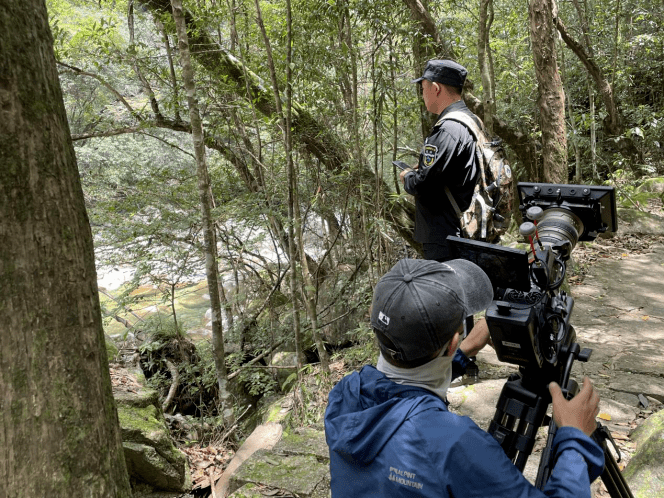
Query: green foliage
x,y
352,66
363,352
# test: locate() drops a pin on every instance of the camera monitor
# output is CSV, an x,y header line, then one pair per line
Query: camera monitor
x,y
507,268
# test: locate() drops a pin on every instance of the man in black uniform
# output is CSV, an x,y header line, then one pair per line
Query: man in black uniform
x,y
447,158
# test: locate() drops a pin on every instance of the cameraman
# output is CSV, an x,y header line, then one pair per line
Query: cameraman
x,y
389,430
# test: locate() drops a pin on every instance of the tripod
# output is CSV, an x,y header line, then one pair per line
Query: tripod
x,y
521,410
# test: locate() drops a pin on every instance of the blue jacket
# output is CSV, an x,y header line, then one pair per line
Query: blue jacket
x,y
390,440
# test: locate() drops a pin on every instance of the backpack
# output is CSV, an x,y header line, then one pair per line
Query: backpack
x,y
490,210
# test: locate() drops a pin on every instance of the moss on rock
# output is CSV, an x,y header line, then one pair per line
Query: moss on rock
x,y
150,453
299,474
645,472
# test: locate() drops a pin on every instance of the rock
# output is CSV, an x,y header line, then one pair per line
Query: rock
x,y
298,464
655,185
284,359
639,384
645,472
264,437
627,399
477,401
641,223
151,456
111,349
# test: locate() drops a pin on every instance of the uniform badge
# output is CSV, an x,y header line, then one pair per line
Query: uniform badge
x,y
429,154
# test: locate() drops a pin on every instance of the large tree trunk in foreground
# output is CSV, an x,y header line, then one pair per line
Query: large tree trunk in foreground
x,y
543,35
60,435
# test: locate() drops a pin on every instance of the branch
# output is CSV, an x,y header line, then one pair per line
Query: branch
x,y
258,358
175,375
108,86
576,47
428,27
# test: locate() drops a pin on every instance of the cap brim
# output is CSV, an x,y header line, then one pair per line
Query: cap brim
x,y
418,79
477,288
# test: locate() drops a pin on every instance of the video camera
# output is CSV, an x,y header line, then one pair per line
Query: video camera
x,y
529,319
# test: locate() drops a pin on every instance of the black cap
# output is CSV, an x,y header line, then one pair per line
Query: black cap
x,y
419,305
444,71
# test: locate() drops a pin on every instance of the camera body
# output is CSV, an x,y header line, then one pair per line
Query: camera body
x,y
529,319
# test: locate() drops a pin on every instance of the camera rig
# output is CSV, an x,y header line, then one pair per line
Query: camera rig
x,y
529,318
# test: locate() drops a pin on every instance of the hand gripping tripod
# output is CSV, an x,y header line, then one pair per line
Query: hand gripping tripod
x,y
521,410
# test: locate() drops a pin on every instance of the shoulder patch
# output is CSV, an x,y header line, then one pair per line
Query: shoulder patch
x,y
429,152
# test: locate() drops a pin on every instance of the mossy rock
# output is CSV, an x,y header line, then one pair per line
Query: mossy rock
x,y
111,349
301,475
150,454
654,185
304,441
249,490
645,472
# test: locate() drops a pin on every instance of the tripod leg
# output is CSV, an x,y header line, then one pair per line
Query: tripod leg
x,y
612,477
546,460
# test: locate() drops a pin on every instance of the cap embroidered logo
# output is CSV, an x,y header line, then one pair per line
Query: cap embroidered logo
x,y
383,318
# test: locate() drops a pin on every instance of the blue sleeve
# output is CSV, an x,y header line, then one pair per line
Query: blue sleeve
x,y
477,464
459,364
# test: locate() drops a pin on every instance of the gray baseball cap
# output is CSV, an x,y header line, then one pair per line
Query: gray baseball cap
x,y
419,305
444,71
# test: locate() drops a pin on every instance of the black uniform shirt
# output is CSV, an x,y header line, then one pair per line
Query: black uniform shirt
x,y
448,157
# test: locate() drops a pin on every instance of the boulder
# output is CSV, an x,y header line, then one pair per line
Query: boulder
x,y
645,472
151,456
640,222
297,465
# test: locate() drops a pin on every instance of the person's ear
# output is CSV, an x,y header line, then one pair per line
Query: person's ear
x,y
454,344
437,88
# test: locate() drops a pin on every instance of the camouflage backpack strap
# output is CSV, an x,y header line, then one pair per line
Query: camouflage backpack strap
x,y
484,152
453,202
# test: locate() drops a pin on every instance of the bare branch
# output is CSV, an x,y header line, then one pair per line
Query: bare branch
x,y
108,86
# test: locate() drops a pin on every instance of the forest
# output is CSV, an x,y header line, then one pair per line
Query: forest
x,y
235,158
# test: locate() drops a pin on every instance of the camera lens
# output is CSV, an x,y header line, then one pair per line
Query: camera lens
x,y
558,226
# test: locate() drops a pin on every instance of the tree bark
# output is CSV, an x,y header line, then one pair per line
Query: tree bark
x,y
551,100
613,120
60,435
483,58
210,241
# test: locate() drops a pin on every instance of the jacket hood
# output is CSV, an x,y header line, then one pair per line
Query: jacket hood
x,y
366,408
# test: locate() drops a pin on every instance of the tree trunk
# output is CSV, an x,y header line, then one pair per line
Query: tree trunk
x,y
551,101
209,237
613,120
60,435
293,207
483,59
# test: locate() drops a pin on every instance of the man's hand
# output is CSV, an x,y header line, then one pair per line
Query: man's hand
x,y
403,174
476,339
580,411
